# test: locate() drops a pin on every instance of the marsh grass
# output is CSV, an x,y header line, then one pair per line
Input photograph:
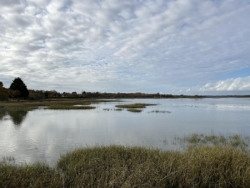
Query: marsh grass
x,y
36,175
107,109
110,109
63,104
160,111
134,110
70,107
119,166
136,105
118,109
196,140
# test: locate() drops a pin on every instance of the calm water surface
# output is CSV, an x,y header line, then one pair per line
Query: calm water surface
x,y
43,135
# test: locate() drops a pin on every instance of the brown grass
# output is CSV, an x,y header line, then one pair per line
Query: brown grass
x,y
118,166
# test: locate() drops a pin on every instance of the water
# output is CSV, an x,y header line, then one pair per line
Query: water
x,y
43,135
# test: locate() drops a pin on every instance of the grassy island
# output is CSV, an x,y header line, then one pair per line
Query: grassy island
x,y
136,108
136,105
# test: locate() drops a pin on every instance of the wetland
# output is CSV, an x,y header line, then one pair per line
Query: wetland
x,y
42,131
124,143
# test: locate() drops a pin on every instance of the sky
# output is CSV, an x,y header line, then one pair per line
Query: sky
x,y
150,46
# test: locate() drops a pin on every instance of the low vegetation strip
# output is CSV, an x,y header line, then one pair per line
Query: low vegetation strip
x,y
136,105
195,140
50,104
118,166
70,107
134,110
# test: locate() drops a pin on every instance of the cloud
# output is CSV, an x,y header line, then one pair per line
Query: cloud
x,y
234,84
113,45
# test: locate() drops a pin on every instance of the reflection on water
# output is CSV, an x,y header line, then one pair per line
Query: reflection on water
x,y
2,114
17,116
44,134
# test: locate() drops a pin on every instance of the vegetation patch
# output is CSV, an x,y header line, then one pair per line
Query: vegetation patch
x,y
107,109
118,109
36,175
196,140
134,110
51,104
136,105
118,166
70,107
160,111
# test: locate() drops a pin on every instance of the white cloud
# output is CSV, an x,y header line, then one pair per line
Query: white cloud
x,y
113,45
233,84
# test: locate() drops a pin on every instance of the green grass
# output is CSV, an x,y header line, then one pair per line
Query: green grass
x,y
118,166
136,105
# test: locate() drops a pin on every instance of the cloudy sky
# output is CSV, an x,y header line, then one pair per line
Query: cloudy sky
x,y
166,46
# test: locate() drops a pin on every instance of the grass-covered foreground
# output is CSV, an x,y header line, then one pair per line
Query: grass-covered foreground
x,y
118,166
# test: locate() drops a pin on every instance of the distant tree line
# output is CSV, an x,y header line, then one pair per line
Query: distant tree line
x,y
18,90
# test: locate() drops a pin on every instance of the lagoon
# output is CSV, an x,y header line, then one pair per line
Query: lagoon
x,y
43,135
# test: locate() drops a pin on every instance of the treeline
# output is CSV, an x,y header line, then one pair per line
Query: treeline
x,y
41,94
18,90
30,94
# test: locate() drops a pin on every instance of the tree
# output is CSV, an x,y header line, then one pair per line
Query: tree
x,y
3,94
19,85
1,84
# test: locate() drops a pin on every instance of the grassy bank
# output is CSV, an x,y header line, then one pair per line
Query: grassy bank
x,y
118,166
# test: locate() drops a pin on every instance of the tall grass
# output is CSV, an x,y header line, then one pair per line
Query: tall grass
x,y
139,167
119,166
36,175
